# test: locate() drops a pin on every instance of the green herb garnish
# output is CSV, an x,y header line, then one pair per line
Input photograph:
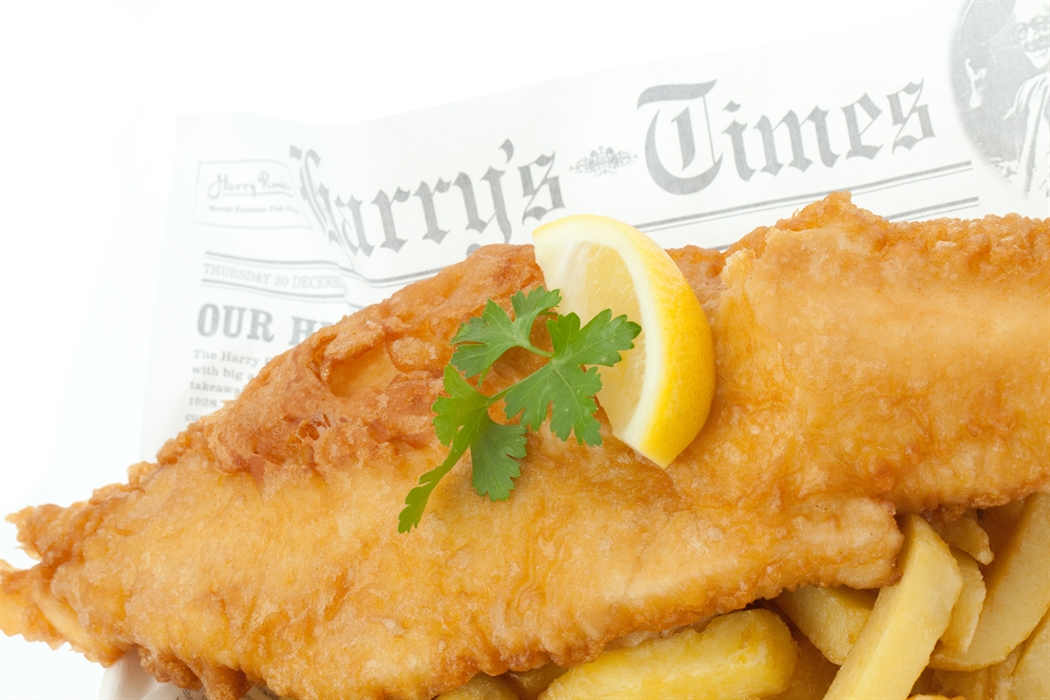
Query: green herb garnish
x,y
563,386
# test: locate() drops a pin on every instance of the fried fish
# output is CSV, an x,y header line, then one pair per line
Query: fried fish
x,y
864,369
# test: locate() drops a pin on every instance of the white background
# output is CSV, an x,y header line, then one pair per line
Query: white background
x,y
89,92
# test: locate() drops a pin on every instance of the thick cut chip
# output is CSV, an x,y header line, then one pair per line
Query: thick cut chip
x,y
1018,592
747,654
1032,674
967,610
993,682
906,621
999,522
967,535
831,618
813,673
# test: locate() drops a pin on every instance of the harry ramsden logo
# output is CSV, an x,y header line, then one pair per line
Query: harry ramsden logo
x,y
909,118
343,219
260,185
250,194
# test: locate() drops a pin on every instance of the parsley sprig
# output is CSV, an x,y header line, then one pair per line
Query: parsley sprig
x,y
563,386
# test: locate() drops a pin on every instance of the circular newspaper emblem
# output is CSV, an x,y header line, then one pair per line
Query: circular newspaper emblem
x,y
1001,78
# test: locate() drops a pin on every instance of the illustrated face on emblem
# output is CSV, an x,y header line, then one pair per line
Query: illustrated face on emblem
x,y
1030,26
1000,60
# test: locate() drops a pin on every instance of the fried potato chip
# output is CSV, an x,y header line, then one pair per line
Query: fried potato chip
x,y
813,673
967,535
746,654
993,682
1018,593
1032,674
831,618
906,622
967,610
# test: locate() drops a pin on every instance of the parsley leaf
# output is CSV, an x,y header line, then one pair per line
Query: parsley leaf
x,y
492,458
564,383
463,423
563,386
494,333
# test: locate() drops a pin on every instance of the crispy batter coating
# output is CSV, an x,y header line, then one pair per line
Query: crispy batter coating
x,y
865,368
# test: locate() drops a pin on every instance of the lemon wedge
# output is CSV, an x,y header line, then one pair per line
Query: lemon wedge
x,y
658,397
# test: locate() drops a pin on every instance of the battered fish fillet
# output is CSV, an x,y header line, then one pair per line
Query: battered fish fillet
x,y
865,369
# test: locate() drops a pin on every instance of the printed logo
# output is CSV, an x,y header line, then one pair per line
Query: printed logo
x,y
602,161
246,194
